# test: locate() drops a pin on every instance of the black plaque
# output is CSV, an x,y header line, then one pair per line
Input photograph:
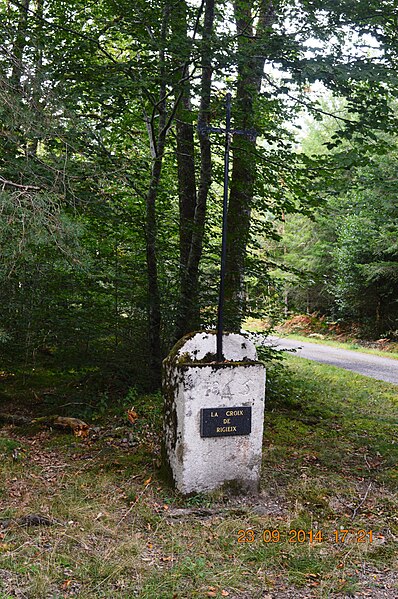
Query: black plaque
x,y
225,422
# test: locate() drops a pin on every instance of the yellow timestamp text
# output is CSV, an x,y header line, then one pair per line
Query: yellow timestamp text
x,y
341,535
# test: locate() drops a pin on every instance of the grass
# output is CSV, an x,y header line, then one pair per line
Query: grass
x,y
330,456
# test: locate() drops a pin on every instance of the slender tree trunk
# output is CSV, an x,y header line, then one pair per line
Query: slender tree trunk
x,y
19,45
250,70
186,178
157,144
379,318
154,312
36,92
192,207
285,292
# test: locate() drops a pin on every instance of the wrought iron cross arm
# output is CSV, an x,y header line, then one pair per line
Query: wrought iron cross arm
x,y
203,129
250,133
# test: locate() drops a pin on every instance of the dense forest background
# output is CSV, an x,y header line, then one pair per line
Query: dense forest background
x,y
344,260
110,182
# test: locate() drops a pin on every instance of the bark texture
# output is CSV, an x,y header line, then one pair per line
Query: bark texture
x,y
251,50
157,143
189,306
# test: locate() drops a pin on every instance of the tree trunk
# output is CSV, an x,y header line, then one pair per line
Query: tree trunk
x,y
185,139
189,306
154,313
36,93
186,178
157,143
19,45
250,70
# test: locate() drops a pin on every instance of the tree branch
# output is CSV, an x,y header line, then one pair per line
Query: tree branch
x,y
18,186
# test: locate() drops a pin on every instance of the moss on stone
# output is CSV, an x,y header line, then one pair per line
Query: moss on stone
x,y
181,342
238,487
216,365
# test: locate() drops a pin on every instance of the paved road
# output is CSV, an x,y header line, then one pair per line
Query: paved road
x,y
377,367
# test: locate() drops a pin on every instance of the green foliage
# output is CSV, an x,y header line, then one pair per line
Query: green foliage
x,y
344,262
8,445
80,104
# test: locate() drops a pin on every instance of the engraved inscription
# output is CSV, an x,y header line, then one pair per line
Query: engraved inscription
x,y
222,422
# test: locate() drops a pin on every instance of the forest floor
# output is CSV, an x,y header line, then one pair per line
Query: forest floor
x,y
91,517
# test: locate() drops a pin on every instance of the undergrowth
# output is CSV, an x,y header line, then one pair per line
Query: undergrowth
x,y
329,466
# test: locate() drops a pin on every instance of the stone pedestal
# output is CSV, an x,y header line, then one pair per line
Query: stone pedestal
x,y
214,412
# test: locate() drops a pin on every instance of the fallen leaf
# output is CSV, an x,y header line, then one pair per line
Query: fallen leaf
x,y
147,481
132,415
66,584
82,433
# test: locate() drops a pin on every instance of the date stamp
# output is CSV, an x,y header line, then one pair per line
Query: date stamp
x,y
301,536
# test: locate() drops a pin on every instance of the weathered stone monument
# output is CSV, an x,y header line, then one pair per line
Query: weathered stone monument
x,y
214,411
213,387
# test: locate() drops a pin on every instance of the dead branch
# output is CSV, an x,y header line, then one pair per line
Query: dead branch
x,y
79,427
355,511
18,185
29,520
14,419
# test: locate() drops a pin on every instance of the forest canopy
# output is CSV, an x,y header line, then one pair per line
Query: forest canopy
x,y
111,183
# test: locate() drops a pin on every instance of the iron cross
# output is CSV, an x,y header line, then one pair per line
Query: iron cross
x,y
228,135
